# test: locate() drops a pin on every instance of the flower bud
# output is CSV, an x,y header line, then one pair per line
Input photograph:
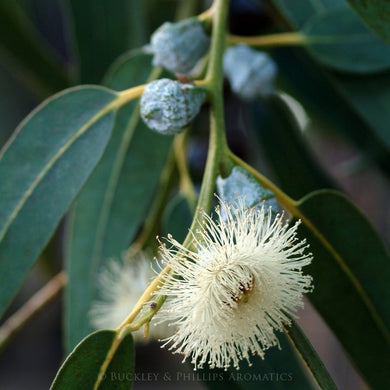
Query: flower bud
x,y
241,184
250,72
167,105
179,46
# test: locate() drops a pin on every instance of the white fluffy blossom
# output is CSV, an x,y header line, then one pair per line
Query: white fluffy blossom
x,y
240,283
120,285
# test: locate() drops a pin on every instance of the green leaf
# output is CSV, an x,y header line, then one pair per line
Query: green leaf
x,y
351,271
339,39
371,99
376,14
104,29
300,11
279,370
28,56
362,119
310,357
15,103
279,134
115,200
360,106
177,218
81,369
42,168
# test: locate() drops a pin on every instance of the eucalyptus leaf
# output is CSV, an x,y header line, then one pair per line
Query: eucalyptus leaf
x,y
310,357
103,30
360,106
370,98
279,370
278,131
376,14
177,217
340,40
351,270
81,369
355,113
347,252
115,200
15,103
42,168
300,11
26,53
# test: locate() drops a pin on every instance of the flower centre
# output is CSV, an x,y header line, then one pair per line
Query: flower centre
x,y
244,292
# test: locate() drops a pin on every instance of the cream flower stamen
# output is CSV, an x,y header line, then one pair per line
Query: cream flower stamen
x,y
120,284
242,282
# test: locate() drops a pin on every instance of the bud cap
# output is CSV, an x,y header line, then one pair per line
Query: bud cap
x,y
250,72
241,184
167,106
179,46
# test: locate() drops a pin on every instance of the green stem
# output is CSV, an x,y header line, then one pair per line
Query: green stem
x,y
283,39
217,47
110,355
31,308
289,204
217,141
151,226
217,148
186,185
186,8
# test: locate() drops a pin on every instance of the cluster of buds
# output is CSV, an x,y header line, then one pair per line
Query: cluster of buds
x,y
168,106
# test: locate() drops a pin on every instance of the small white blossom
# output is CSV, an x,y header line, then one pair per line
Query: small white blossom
x,y
242,281
120,285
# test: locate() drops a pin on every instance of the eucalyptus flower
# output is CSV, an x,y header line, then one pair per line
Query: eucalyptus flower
x,y
120,284
241,282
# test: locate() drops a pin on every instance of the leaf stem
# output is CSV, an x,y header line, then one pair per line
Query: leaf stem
x,y
128,95
282,198
145,297
218,41
208,14
150,228
310,358
186,184
283,39
32,307
110,354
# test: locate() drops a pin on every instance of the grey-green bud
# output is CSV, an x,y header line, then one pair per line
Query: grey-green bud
x,y
250,72
240,184
179,46
167,106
